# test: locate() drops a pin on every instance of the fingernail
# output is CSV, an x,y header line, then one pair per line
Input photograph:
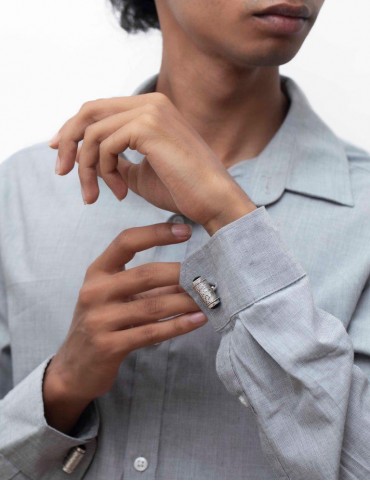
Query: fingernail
x,y
181,230
197,318
55,139
57,165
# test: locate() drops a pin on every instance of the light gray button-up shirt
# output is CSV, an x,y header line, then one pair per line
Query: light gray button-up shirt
x,y
274,386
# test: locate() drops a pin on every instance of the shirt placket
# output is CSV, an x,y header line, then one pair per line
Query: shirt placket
x,y
146,413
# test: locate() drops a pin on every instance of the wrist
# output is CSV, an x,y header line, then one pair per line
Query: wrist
x,y
234,207
62,408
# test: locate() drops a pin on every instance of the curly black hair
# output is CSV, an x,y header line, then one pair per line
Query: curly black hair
x,y
136,15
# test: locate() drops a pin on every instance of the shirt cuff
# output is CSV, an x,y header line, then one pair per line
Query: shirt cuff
x,y
246,260
29,444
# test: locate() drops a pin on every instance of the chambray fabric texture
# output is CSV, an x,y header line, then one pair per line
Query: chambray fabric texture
x,y
274,386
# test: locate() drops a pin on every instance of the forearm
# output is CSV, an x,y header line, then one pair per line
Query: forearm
x,y
291,361
29,446
297,378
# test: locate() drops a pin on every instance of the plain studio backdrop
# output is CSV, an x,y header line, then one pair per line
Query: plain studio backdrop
x,y
57,54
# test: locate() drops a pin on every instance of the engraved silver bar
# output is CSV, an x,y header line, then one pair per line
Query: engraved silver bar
x,y
73,459
207,292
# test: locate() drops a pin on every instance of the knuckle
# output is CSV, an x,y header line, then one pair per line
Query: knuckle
x,y
101,345
122,239
161,231
91,132
152,108
122,243
146,272
104,147
87,294
90,107
153,307
159,98
149,334
149,119
86,107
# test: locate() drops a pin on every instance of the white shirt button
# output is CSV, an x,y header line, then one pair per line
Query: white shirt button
x,y
177,219
140,463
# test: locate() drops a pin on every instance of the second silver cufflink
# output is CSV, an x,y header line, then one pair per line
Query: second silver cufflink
x,y
73,459
207,292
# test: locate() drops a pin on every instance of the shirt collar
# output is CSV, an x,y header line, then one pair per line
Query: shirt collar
x,y
304,156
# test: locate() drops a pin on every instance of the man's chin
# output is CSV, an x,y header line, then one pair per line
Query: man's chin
x,y
271,61
266,52
268,57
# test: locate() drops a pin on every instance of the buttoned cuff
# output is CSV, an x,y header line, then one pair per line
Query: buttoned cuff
x,y
246,260
29,444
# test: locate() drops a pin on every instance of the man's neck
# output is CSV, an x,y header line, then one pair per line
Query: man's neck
x,y
236,110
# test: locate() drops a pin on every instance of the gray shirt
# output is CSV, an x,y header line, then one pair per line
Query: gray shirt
x,y
274,386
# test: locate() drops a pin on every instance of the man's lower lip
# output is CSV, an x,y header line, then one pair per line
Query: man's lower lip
x,y
281,24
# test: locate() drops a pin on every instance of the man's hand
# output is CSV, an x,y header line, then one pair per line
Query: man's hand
x,y
179,172
117,312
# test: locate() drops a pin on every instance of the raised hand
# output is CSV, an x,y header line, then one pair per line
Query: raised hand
x,y
179,172
117,312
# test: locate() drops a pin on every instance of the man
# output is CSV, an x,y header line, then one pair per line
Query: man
x,y
275,385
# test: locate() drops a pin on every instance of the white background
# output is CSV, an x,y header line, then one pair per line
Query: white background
x,y
57,54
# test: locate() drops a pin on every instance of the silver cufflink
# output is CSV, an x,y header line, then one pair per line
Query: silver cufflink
x,y
206,292
73,459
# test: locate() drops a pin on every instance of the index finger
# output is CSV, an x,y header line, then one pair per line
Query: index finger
x,y
73,130
136,239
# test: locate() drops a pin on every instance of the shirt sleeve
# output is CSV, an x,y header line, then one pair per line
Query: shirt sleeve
x,y
286,359
29,447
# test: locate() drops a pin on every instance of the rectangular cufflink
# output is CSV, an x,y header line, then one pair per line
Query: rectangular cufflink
x,y
73,459
206,292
